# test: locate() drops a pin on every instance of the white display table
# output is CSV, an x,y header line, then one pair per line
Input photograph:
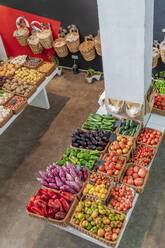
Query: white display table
x,y
38,99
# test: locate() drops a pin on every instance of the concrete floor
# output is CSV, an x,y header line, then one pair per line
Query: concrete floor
x,y
39,137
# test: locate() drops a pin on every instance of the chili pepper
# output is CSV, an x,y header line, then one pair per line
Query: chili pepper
x,y
65,204
51,193
73,159
60,215
68,196
51,213
36,210
54,204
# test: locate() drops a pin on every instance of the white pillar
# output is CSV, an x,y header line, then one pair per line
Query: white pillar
x,y
126,28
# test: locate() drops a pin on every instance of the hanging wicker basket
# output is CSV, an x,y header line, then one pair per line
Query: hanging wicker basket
x,y
45,38
60,46
98,44
34,44
73,40
87,48
162,50
22,32
155,56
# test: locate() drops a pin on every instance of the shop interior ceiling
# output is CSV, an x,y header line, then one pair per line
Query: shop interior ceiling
x,y
84,14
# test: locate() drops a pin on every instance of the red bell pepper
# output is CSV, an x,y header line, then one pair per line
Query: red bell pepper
x,y
36,210
68,196
60,215
65,204
56,205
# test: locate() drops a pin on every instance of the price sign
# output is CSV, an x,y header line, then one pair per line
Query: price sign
x,y
75,57
12,102
99,162
118,123
113,137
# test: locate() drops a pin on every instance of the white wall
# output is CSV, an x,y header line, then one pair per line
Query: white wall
x,y
126,28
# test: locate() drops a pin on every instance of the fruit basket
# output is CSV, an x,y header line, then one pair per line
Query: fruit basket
x,y
61,222
114,169
129,124
29,75
46,68
18,87
67,178
150,137
5,119
158,111
91,140
123,145
5,96
94,226
97,183
142,155
33,63
137,185
100,122
79,158
16,104
121,192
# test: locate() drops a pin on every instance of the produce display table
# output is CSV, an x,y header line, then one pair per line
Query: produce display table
x,y
38,99
155,121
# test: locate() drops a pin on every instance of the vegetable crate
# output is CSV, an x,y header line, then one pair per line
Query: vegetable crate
x,y
95,235
64,222
138,189
130,123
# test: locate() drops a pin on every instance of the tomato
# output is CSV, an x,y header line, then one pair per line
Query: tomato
x,y
142,172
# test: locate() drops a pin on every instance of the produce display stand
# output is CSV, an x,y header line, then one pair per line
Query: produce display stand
x,y
152,123
38,99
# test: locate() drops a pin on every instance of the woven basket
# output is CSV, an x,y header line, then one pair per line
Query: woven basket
x,y
108,189
116,178
36,46
73,40
45,38
138,189
152,146
60,46
162,50
155,56
87,48
95,236
98,44
111,197
22,38
63,222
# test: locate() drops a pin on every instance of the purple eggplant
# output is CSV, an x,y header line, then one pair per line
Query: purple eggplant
x,y
43,182
85,173
68,189
59,182
53,186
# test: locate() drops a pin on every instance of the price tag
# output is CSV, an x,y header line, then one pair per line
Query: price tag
x,y
118,123
91,182
74,56
78,167
112,137
83,198
98,163
12,102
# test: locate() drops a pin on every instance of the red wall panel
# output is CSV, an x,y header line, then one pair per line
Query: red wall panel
x,y
8,18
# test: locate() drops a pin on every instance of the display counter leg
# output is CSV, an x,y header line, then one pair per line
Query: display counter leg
x,y
41,100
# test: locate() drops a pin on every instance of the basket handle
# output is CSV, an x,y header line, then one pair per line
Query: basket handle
x,y
24,21
88,38
61,35
34,27
73,30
